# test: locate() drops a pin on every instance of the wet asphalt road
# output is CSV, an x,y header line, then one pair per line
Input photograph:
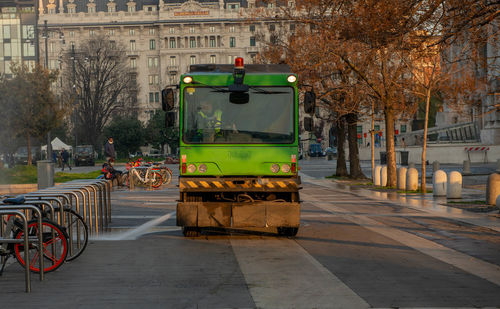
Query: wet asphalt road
x,y
354,250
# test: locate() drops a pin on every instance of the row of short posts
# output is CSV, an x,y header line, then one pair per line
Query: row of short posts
x,y
449,185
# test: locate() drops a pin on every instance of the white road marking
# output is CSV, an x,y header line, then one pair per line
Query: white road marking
x,y
460,260
281,274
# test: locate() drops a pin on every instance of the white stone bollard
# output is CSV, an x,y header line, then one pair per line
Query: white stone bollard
x,y
412,179
454,189
402,178
435,166
492,188
439,183
383,176
411,165
466,170
376,175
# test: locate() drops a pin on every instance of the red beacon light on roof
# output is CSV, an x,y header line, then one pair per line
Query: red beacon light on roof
x,y
238,63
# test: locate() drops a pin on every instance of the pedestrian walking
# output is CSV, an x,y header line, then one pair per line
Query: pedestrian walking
x,y
109,151
65,159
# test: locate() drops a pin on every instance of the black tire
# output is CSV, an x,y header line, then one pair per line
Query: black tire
x,y
78,231
288,231
190,231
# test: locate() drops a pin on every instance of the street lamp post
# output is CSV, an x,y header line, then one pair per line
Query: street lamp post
x,y
46,65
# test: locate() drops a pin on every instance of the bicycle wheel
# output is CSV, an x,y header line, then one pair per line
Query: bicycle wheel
x,y
157,179
55,246
77,231
167,175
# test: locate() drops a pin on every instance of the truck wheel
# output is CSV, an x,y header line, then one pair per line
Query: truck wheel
x,y
288,231
190,231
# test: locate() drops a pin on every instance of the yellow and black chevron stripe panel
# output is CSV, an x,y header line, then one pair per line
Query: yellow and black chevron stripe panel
x,y
223,184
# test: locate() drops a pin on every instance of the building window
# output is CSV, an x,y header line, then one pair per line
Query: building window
x,y
403,128
212,28
131,9
72,34
192,42
52,11
152,62
111,8
292,27
212,41
157,97
232,42
173,60
213,59
111,32
131,32
28,49
91,32
91,9
171,30
252,28
152,44
191,29
192,60
154,80
6,31
133,63
132,45
71,10
231,28
272,27
172,43
252,41
151,31
52,47
151,97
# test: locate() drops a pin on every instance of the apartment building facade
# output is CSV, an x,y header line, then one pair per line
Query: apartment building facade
x,y
162,38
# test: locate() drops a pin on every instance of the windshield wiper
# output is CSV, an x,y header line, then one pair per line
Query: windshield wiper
x,y
259,90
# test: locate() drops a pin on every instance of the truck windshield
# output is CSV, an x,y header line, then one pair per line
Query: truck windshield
x,y
210,118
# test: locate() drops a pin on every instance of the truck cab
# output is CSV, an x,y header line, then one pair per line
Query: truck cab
x,y
238,148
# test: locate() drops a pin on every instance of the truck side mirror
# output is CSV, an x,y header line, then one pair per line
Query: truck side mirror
x,y
309,102
167,99
308,124
170,118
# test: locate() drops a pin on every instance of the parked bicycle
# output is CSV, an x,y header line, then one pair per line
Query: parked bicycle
x,y
143,175
54,241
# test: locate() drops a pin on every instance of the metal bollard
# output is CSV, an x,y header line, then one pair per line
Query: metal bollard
x,y
412,179
439,182
466,169
376,175
402,178
435,166
383,176
492,188
454,189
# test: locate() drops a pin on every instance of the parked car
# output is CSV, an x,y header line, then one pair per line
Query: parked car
x,y
21,155
331,151
84,155
154,153
315,150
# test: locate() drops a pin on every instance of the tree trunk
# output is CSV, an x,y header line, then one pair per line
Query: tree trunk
x,y
341,162
372,141
390,147
354,166
28,140
424,141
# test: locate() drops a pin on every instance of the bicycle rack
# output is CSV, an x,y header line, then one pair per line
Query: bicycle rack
x,y
14,207
27,274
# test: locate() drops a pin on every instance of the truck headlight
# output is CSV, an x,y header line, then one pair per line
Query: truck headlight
x,y
285,168
275,168
202,168
191,168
